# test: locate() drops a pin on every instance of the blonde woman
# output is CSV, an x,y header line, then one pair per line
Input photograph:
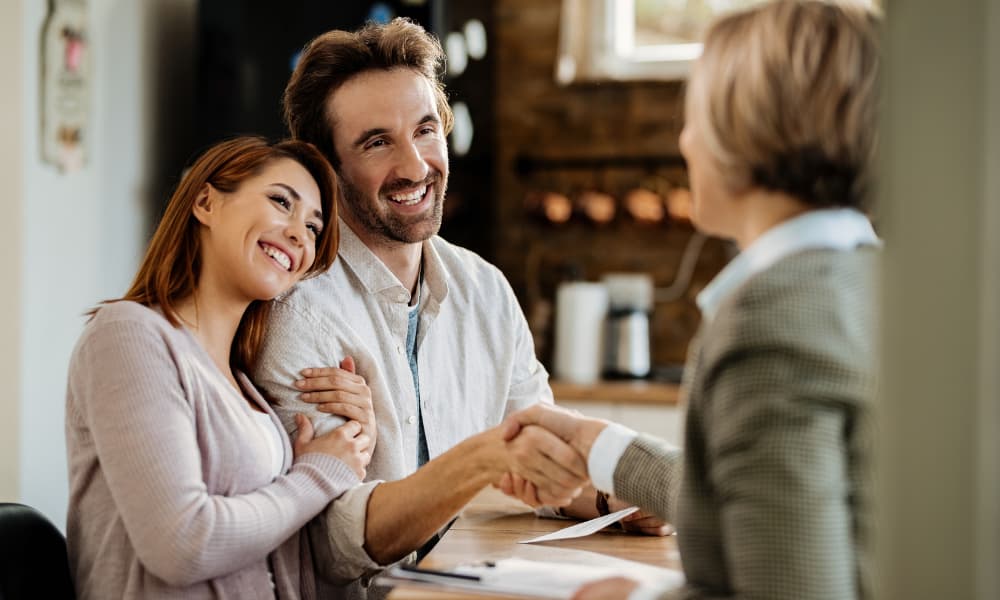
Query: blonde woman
x,y
770,493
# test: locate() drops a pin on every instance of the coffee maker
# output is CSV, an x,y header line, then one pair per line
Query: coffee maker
x,y
626,334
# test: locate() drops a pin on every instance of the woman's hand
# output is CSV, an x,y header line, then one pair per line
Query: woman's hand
x,y
340,392
641,521
616,588
347,442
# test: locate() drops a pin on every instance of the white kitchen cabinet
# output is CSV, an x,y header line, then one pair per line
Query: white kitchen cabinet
x,y
646,407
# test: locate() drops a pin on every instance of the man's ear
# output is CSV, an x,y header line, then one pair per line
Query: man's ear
x,y
205,203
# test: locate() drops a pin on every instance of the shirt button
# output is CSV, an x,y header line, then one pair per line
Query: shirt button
x,y
412,419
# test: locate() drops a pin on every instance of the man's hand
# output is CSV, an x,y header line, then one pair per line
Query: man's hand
x,y
518,487
570,426
340,392
403,514
550,471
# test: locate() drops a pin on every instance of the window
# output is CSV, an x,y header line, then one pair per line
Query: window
x,y
634,39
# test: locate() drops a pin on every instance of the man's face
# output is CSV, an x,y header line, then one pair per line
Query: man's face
x,y
393,156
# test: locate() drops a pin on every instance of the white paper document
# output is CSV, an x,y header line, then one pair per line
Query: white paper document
x,y
583,529
531,578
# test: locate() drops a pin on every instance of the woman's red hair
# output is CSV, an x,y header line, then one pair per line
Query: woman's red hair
x,y
172,265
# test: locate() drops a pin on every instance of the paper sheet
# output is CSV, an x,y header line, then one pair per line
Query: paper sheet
x,y
534,579
583,529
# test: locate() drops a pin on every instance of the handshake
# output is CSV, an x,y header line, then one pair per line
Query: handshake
x,y
547,452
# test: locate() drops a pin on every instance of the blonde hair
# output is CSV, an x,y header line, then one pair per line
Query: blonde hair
x,y
785,97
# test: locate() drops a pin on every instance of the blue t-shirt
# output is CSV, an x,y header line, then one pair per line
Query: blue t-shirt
x,y
423,454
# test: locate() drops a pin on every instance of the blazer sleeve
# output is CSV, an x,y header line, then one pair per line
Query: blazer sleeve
x,y
649,475
778,462
144,429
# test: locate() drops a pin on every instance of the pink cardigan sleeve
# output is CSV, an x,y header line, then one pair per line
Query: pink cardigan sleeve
x,y
129,392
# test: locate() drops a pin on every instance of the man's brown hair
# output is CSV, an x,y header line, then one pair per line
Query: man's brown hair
x,y
331,59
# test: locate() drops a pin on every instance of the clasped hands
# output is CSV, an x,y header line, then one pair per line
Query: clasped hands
x,y
539,454
528,449
576,434
548,447
534,459
338,391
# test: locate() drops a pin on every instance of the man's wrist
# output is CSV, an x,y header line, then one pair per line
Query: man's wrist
x,y
489,455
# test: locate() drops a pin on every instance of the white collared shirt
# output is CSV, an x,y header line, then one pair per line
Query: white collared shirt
x,y
476,356
833,229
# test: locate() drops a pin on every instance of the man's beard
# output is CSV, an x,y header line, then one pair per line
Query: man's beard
x,y
389,225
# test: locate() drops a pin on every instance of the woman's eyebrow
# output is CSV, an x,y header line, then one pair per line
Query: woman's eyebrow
x,y
290,190
295,196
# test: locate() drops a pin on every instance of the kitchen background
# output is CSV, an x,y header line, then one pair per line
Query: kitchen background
x,y
533,142
74,238
552,183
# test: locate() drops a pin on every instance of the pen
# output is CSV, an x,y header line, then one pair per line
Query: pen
x,y
439,573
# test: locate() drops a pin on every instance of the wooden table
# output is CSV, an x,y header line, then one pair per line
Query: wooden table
x,y
489,528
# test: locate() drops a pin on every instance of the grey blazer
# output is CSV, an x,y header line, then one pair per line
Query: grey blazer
x,y
771,495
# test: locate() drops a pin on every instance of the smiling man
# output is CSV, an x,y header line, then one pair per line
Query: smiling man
x,y
434,330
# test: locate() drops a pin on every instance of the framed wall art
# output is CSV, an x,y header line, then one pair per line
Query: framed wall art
x,y
66,80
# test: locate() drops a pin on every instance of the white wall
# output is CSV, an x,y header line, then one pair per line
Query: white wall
x,y
11,201
61,261
84,232
937,486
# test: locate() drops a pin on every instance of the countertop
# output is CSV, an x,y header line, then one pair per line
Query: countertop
x,y
615,392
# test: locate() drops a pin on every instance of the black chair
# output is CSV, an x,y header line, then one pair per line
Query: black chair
x,y
33,562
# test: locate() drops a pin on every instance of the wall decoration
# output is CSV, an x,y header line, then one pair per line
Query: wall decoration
x,y
66,81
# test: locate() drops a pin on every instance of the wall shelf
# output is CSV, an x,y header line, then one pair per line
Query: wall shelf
x,y
526,165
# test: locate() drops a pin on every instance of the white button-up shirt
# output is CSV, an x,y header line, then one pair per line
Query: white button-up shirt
x,y
830,229
474,350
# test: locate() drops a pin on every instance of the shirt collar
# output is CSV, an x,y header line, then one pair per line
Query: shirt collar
x,y
833,229
377,278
